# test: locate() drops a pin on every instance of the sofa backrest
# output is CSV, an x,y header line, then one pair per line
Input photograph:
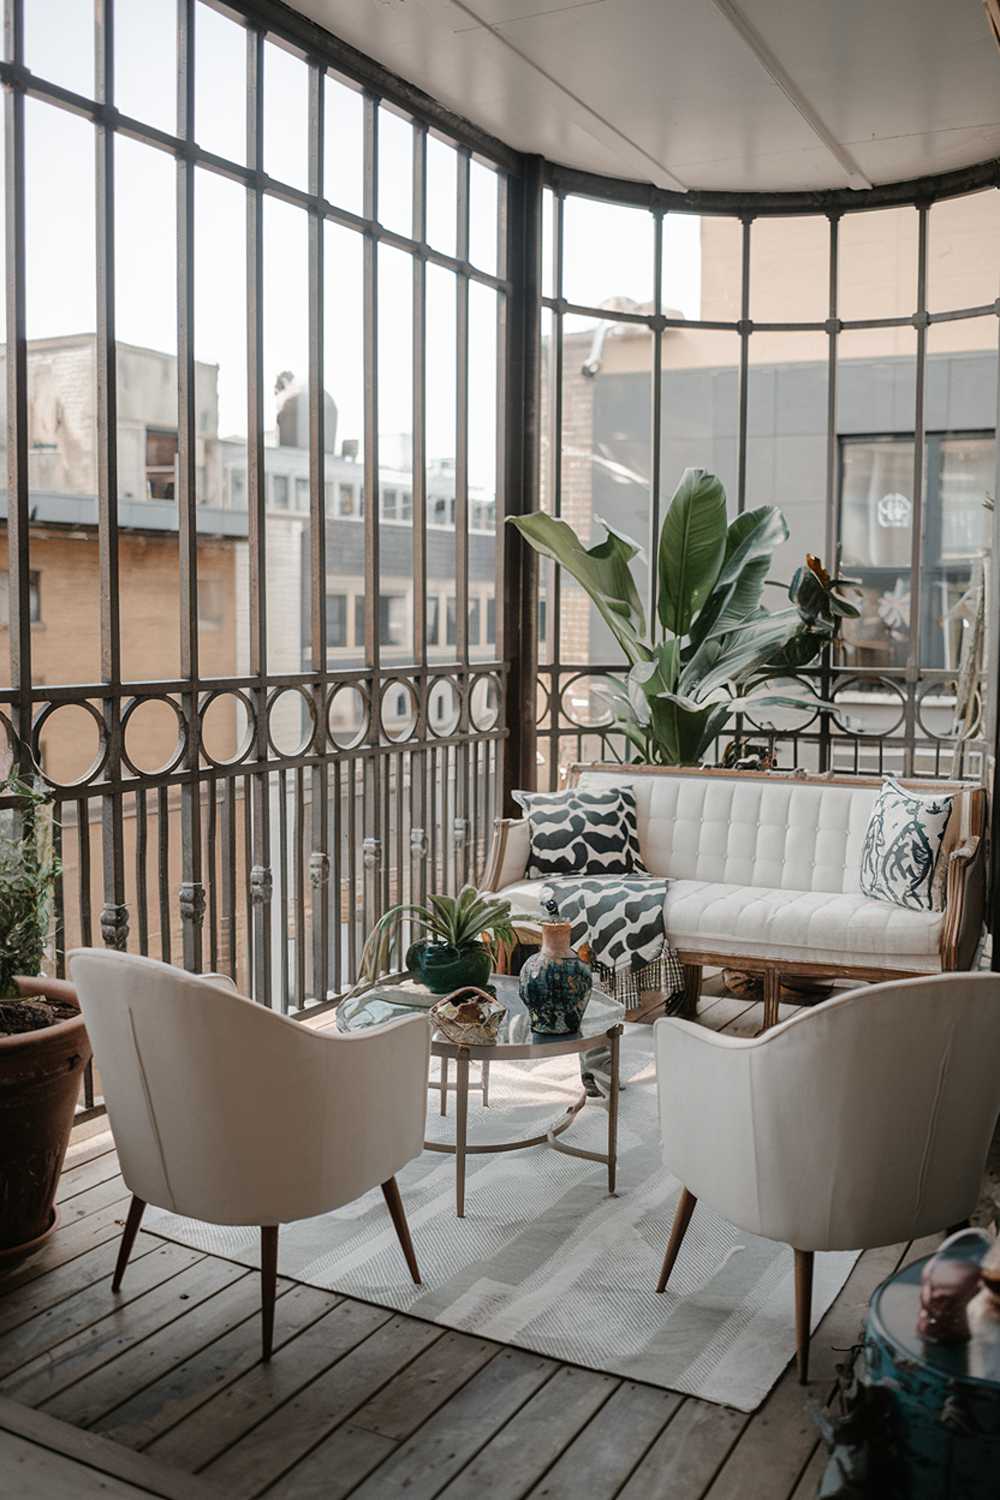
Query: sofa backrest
x,y
751,829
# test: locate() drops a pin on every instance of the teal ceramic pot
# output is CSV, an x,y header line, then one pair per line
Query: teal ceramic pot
x,y
555,984
443,968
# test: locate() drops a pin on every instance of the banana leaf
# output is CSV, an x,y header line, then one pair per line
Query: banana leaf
x,y
602,571
750,543
692,548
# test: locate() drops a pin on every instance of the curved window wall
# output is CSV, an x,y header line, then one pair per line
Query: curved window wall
x,y
841,365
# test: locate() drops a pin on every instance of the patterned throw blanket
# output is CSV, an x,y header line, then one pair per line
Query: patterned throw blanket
x,y
620,919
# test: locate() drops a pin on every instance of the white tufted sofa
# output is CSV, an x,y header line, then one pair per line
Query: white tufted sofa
x,y
764,874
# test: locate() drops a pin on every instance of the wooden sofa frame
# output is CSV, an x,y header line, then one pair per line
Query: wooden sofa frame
x,y
965,888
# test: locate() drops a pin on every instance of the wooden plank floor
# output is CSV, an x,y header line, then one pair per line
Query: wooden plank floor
x,y
357,1400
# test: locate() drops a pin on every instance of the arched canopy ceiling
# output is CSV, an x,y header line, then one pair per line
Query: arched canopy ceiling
x,y
746,95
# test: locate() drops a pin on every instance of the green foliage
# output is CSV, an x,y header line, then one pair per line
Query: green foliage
x,y
717,646
457,921
28,871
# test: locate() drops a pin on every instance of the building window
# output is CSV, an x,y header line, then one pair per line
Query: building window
x,y
301,493
433,619
405,505
161,463
237,489
475,612
336,620
347,501
279,491
34,598
491,621
211,603
392,619
876,538
451,622
390,505
542,619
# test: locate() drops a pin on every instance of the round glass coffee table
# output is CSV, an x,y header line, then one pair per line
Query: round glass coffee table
x,y
516,1042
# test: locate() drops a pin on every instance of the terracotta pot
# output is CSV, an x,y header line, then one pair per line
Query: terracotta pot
x,y
40,1077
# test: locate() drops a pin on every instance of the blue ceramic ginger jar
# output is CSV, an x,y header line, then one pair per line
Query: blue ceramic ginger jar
x,y
555,984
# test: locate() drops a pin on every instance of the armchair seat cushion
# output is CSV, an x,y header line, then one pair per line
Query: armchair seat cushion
x,y
800,926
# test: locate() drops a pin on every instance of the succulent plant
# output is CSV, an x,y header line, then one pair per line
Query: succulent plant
x,y
456,922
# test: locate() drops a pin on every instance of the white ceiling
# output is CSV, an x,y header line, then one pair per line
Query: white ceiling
x,y
741,94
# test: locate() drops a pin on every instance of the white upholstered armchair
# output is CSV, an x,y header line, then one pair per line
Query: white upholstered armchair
x,y
224,1111
861,1122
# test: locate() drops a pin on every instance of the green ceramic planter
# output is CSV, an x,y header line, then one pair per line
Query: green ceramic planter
x,y
443,968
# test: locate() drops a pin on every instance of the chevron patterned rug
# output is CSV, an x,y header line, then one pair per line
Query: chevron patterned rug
x,y
547,1261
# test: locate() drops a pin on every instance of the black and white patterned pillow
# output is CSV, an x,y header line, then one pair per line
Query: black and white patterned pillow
x,y
902,845
582,833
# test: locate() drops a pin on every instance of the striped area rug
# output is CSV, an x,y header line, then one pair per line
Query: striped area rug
x,y
547,1261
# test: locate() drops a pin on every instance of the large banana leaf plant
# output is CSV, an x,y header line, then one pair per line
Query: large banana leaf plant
x,y
714,650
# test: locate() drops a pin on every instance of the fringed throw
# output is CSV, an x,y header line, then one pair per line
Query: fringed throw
x,y
620,920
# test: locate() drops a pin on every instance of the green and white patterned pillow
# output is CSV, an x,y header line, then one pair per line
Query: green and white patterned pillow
x,y
902,845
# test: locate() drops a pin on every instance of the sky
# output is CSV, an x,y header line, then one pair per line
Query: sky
x,y
608,250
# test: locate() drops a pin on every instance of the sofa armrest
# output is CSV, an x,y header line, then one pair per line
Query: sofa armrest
x,y
965,904
509,852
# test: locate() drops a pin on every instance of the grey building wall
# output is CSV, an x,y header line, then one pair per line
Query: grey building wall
x,y
786,446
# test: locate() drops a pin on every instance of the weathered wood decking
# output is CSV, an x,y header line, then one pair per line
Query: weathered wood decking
x,y
166,1377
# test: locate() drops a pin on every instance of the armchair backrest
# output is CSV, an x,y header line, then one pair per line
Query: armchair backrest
x,y
863,1121
225,1111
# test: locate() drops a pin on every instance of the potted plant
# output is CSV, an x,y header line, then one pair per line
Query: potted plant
x,y
43,1042
461,937
714,647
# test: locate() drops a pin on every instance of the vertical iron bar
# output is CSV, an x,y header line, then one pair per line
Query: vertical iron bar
x,y
656,398
518,634
462,518
992,691
744,386
141,867
257,809
553,614
192,900
916,534
418,519
114,912
832,497
299,868
371,764
319,859
18,505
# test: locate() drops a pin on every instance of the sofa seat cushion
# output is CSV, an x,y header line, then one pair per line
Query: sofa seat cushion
x,y
805,926
801,926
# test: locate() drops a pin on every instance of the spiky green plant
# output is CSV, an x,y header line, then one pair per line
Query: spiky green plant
x,y
457,921
29,868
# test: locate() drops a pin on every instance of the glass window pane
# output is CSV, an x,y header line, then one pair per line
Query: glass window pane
x,y
220,104
146,324
682,268
146,61
877,264
61,318
59,43
607,253
343,354
395,438
876,531
286,116
343,153
484,186
286,422
441,395
442,199
963,264
482,452
220,350
790,270
395,171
